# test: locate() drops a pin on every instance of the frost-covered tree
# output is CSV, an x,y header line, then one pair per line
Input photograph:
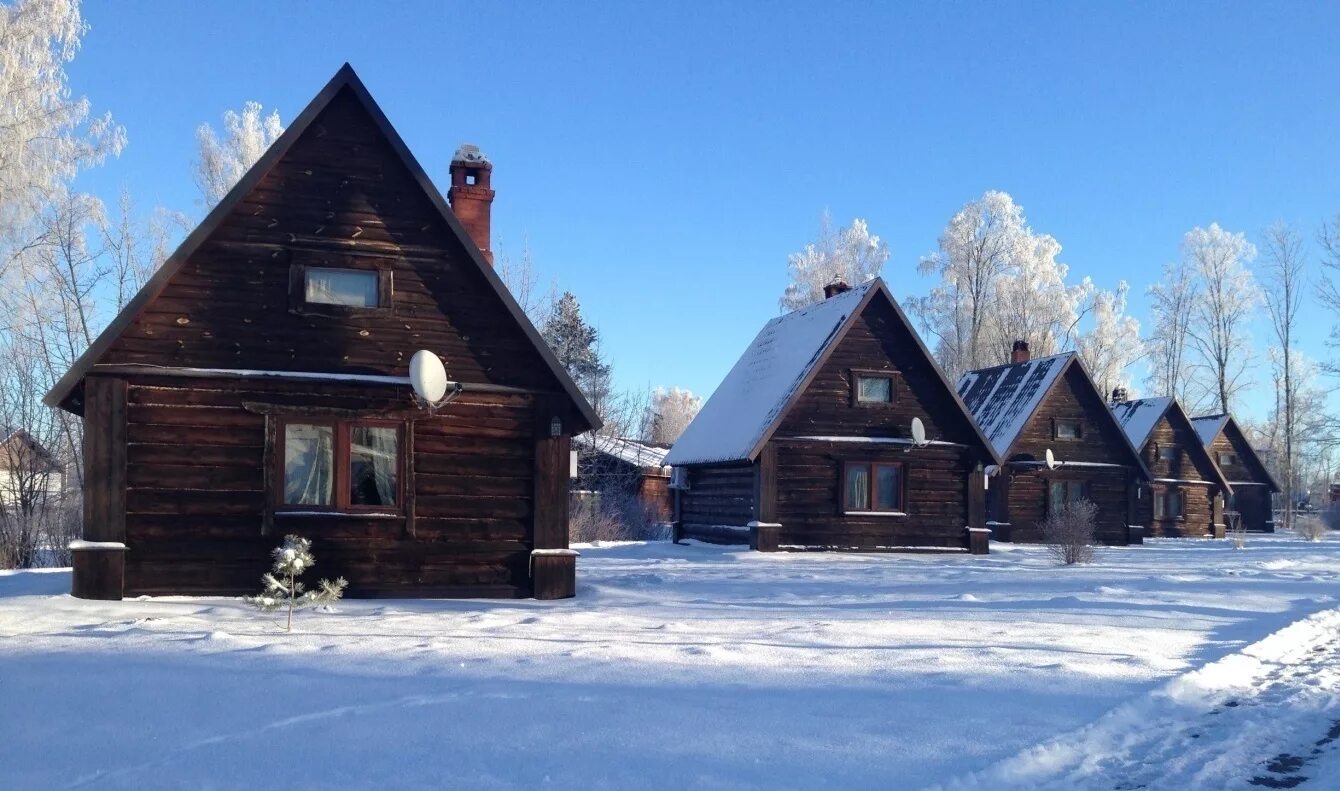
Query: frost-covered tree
x,y
47,135
221,163
1112,344
851,253
576,344
1283,279
1328,293
1171,302
671,412
283,589
998,282
1226,299
519,275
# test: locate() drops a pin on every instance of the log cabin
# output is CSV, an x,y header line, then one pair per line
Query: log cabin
x,y
1188,490
1034,405
1252,500
257,386
808,443
625,467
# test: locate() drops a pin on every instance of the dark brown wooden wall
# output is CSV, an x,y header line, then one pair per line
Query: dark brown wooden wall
x,y
717,496
1198,517
1252,501
1101,442
340,195
196,499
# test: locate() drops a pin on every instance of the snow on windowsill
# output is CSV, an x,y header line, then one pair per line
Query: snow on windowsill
x,y
78,544
1180,480
879,440
340,514
555,553
978,529
1000,524
873,513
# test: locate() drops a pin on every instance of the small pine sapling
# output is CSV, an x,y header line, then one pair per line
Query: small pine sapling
x,y
282,588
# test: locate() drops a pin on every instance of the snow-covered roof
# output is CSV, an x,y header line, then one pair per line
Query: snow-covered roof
x,y
1138,418
1003,398
631,451
763,381
1208,427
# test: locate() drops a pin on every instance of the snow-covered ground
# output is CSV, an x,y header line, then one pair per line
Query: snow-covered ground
x,y
703,667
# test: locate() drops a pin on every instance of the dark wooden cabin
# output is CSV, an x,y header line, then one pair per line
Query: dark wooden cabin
x,y
1031,406
1188,491
257,386
1252,500
807,444
626,466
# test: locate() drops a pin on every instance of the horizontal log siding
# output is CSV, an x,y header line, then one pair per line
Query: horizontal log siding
x,y
1252,502
717,497
196,494
809,497
1198,514
341,189
1109,490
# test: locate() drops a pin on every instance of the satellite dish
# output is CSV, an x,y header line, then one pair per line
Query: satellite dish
x,y
1051,459
918,432
428,376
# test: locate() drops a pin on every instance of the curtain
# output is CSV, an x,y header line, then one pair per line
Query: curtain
x,y
309,464
858,488
373,454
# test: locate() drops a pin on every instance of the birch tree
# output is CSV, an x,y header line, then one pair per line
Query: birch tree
x,y
671,412
1171,303
1220,313
1033,303
1328,286
221,161
1112,345
852,254
1283,279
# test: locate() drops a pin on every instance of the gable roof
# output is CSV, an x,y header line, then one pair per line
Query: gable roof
x,y
774,370
345,78
1003,398
1208,427
630,451
1139,417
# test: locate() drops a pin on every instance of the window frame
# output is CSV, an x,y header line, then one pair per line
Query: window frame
x,y
297,285
857,374
1084,490
1158,453
340,478
846,506
1232,458
1057,422
1161,504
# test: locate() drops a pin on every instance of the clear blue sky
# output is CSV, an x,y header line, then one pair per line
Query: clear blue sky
x,y
663,160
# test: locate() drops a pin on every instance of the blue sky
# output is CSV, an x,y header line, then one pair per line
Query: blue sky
x,y
663,160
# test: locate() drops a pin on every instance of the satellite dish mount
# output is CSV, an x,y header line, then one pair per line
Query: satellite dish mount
x,y
428,376
1051,461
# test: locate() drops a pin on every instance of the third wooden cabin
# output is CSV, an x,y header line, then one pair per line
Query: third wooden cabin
x,y
1252,483
1032,406
808,442
1188,491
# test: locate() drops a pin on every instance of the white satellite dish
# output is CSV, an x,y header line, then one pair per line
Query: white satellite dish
x,y
918,432
1051,459
428,376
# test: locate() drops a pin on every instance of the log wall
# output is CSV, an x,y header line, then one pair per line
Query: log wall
x,y
1188,465
1251,487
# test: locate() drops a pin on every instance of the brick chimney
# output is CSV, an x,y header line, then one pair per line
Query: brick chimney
x,y
1020,352
1120,395
471,194
838,286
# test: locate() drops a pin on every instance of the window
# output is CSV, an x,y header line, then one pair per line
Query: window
x,y
871,388
1063,493
870,487
1167,453
1228,458
340,465
1168,504
679,478
355,288
1067,429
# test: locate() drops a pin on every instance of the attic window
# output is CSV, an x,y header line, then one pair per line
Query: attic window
x,y
1167,453
871,388
354,288
1228,458
1067,429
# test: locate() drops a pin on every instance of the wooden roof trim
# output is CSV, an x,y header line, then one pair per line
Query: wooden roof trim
x,y
344,78
878,288
1256,457
1102,402
1201,449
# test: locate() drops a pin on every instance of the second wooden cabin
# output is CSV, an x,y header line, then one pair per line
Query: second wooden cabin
x,y
1032,406
1188,489
808,443
1252,483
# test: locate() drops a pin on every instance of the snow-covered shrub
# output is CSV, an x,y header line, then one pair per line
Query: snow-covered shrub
x,y
1310,528
612,515
282,588
1234,530
1069,532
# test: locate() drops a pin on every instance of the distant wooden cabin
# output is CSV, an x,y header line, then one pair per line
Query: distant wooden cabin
x,y
1031,406
807,442
1253,486
1335,493
626,466
257,386
1188,491
30,475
